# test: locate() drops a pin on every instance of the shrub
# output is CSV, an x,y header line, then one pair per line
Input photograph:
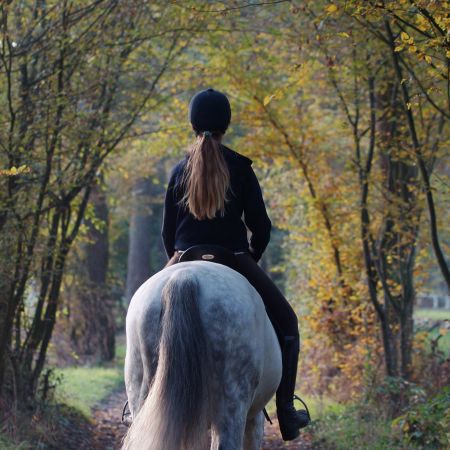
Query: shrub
x,y
426,425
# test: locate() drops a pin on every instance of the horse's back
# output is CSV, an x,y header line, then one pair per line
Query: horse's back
x,y
226,299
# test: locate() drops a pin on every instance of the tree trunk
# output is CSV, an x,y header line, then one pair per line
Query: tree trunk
x,y
398,234
140,239
92,311
97,256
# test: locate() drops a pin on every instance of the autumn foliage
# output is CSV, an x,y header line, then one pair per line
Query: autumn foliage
x,y
343,106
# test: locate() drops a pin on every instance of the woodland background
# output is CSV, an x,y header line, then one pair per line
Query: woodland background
x,y
344,108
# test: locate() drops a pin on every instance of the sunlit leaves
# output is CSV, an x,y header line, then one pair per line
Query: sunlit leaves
x,y
331,8
14,171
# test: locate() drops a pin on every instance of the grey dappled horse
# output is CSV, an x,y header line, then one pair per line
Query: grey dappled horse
x,y
218,365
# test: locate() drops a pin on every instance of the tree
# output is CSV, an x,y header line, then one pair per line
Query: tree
x,y
327,106
76,78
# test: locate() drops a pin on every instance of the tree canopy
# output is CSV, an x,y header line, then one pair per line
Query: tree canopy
x,y
343,106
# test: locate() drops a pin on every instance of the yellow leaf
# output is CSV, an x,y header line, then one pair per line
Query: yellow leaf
x,y
447,53
267,99
13,170
408,105
428,59
344,34
331,9
404,36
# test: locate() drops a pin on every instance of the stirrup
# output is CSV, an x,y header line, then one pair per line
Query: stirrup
x,y
296,397
303,412
291,421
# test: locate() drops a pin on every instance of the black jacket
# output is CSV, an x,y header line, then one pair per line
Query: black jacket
x,y
181,230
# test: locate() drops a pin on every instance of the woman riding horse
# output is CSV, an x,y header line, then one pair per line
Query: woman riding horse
x,y
208,192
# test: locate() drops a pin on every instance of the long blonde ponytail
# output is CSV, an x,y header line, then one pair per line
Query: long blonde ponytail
x,y
206,178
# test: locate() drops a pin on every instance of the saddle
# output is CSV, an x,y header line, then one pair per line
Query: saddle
x,y
211,253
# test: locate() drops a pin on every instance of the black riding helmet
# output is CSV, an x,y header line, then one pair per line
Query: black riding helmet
x,y
209,110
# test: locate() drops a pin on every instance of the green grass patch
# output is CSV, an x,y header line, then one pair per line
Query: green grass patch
x,y
443,342
433,314
83,387
8,444
423,426
354,427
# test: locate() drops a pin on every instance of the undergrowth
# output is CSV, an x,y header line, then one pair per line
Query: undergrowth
x,y
423,426
7,444
354,428
43,427
76,390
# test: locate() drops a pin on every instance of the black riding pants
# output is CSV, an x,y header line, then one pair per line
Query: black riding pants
x,y
278,308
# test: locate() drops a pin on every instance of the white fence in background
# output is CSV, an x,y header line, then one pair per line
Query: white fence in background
x,y
433,301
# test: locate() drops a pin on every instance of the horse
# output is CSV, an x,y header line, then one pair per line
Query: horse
x,y
202,361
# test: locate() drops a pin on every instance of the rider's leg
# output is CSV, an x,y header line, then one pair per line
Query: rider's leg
x,y
285,322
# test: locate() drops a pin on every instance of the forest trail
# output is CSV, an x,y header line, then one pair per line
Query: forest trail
x,y
108,431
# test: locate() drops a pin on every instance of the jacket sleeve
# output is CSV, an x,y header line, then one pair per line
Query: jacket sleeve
x,y
169,217
255,215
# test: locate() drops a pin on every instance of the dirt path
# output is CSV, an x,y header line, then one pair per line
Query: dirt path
x,y
108,431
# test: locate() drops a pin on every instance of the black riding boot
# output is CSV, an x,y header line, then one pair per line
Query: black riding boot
x,y
289,419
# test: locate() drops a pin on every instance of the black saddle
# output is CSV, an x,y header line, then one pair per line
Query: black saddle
x,y
211,253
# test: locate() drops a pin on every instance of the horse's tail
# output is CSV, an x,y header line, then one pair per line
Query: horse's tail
x,y
175,414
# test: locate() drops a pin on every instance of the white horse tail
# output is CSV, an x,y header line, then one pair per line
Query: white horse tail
x,y
175,414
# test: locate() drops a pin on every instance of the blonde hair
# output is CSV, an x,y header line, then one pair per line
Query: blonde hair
x,y
206,178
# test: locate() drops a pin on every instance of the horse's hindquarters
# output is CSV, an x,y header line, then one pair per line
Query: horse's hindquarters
x,y
241,356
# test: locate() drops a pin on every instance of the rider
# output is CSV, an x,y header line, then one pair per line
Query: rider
x,y
208,192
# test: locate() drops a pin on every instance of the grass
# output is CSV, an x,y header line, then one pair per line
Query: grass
x,y
444,340
7,444
336,426
423,425
355,427
84,387
434,314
